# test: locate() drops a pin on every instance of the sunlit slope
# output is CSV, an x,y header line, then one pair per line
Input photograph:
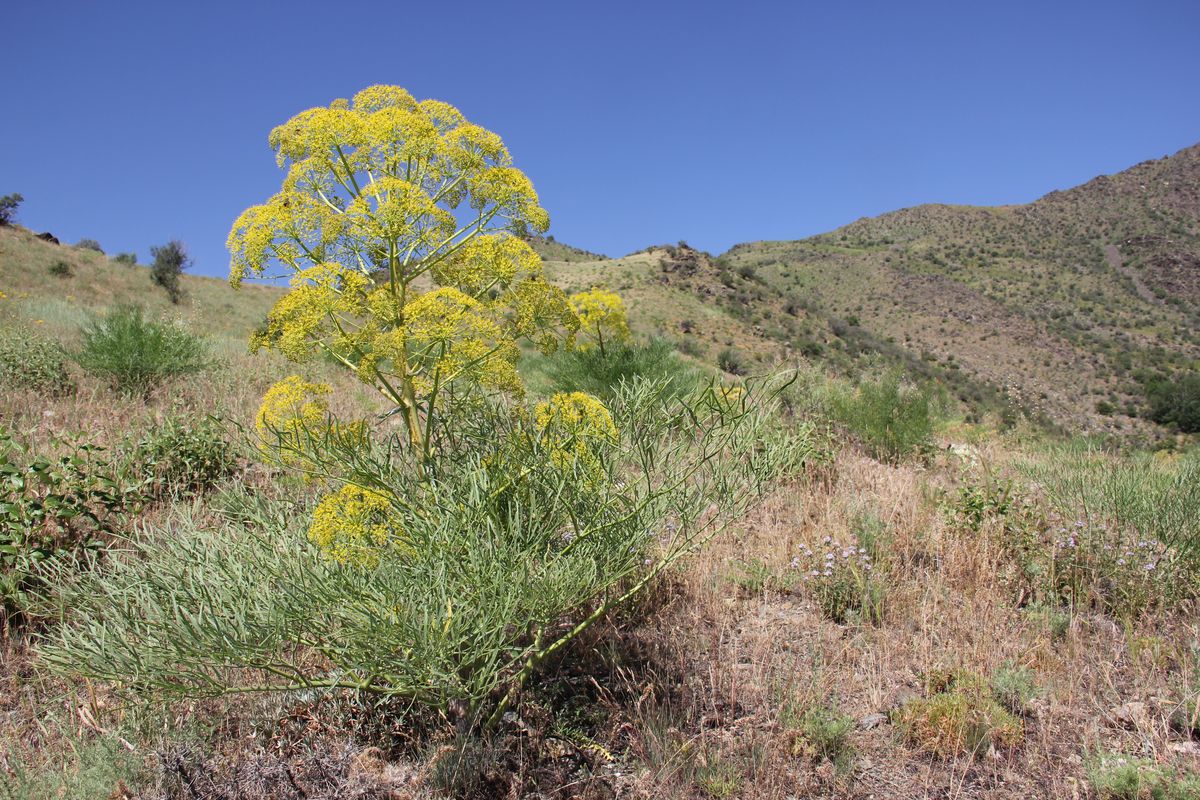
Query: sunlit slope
x,y
38,287
1068,302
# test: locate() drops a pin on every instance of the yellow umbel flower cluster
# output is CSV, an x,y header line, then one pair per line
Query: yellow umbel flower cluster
x,y
602,316
403,227
353,525
289,408
577,429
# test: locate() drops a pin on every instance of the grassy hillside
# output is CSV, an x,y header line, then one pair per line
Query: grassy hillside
x,y
1069,303
61,285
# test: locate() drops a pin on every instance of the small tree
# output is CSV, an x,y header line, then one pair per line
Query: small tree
x,y
8,208
170,260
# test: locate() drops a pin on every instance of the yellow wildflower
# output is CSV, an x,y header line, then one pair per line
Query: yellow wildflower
x,y
352,526
577,428
449,336
602,316
289,409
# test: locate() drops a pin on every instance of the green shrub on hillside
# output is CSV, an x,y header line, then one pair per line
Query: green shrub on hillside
x,y
732,361
126,259
1176,401
170,260
1119,777
893,419
9,204
51,508
31,362
181,455
601,373
135,354
89,244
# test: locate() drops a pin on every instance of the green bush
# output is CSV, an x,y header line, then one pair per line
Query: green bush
x,y
823,733
181,456
52,510
603,373
732,361
961,717
61,269
1014,687
126,259
1176,402
135,354
89,244
892,419
31,362
841,579
1119,777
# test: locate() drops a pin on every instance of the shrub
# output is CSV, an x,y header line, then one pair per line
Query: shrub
x,y
51,510
126,259
9,204
31,362
1014,687
840,578
1176,402
602,372
892,419
732,361
823,732
135,354
962,718
181,455
1119,777
690,347
89,244
61,269
170,260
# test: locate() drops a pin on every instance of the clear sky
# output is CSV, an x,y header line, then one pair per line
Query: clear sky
x,y
716,122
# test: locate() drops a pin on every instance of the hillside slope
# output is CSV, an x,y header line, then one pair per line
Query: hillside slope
x,y
1069,303
58,286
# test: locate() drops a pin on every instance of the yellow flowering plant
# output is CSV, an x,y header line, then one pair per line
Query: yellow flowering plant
x,y
454,553
602,317
401,226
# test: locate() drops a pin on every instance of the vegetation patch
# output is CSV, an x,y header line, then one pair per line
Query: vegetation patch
x,y
29,361
962,717
134,354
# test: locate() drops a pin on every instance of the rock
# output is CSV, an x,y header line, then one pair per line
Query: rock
x,y
47,236
1131,715
1188,748
872,721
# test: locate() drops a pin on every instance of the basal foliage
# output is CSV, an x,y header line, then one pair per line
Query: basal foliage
x,y
450,590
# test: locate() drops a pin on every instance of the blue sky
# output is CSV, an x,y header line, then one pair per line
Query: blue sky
x,y
134,123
